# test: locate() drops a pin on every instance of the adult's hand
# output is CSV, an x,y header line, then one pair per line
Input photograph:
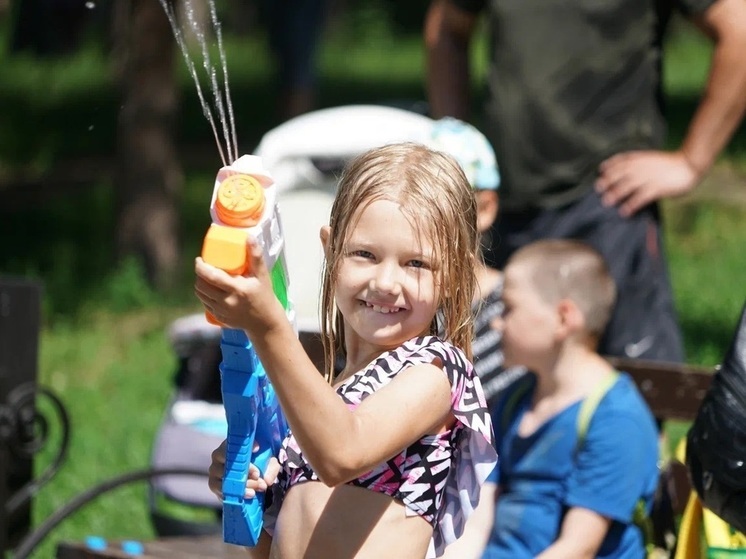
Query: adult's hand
x,y
632,180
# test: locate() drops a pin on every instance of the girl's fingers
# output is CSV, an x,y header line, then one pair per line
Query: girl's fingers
x,y
216,471
215,481
218,455
253,486
212,280
256,260
272,471
256,483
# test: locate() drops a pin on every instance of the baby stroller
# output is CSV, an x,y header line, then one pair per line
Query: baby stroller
x,y
305,156
193,426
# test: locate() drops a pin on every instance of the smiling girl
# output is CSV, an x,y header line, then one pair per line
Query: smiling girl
x,y
387,458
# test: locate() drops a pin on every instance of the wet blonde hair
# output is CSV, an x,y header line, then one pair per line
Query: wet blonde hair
x,y
434,192
566,269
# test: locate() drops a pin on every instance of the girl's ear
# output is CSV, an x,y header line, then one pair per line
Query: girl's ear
x,y
325,234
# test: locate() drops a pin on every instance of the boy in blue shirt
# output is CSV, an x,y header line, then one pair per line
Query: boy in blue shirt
x,y
560,491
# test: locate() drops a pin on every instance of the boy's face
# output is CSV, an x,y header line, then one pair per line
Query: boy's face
x,y
529,324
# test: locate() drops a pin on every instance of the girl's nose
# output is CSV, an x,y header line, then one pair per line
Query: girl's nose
x,y
386,279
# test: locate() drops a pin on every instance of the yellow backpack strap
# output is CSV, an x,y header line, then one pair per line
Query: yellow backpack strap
x,y
698,521
640,516
589,405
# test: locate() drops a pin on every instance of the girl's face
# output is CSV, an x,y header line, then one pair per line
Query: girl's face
x,y
386,285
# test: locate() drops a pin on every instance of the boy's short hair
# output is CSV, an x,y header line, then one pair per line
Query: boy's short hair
x,y
568,269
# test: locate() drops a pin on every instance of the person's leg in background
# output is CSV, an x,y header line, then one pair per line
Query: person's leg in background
x,y
295,28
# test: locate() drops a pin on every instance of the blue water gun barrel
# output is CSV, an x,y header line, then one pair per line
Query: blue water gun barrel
x,y
244,205
255,421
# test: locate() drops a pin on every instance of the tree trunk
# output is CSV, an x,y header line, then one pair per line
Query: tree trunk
x,y
149,179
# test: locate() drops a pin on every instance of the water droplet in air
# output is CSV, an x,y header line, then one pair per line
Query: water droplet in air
x,y
90,5
90,127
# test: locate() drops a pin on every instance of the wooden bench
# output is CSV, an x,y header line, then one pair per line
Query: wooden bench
x,y
204,547
672,390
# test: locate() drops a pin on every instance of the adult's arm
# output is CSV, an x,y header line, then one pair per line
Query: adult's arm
x,y
415,403
634,179
472,542
448,32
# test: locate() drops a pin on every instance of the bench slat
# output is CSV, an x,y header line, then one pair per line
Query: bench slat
x,y
672,390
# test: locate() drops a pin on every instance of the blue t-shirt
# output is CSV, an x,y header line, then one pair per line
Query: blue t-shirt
x,y
546,473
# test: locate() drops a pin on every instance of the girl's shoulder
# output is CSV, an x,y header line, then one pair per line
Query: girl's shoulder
x,y
424,349
467,397
465,384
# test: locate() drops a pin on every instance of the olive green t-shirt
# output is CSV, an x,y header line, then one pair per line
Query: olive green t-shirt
x,y
570,83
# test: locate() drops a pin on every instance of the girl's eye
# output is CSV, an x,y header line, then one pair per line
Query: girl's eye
x,y
417,264
362,253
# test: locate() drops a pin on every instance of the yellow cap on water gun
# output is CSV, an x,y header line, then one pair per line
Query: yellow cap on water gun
x,y
240,201
239,204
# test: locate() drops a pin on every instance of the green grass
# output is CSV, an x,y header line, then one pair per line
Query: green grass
x,y
103,346
705,245
114,373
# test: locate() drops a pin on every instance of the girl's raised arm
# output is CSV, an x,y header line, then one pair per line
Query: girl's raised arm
x,y
340,444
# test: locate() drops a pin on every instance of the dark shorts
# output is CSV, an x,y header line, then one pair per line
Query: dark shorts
x,y
644,323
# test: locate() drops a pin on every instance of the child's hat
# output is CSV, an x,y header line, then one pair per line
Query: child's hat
x,y
470,148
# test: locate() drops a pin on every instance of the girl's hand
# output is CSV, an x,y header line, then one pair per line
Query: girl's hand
x,y
245,302
254,483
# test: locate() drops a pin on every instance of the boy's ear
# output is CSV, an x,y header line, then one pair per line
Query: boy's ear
x,y
571,318
488,203
325,234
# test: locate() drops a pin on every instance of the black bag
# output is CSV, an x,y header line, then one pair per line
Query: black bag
x,y
716,443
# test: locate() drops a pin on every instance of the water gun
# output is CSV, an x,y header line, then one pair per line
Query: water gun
x,y
243,206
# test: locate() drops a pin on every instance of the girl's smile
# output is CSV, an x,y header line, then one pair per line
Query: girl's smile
x,y
385,309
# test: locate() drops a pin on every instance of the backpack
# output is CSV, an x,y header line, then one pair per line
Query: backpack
x,y
716,442
702,533
716,458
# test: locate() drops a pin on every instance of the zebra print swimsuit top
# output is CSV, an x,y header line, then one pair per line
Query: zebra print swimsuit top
x,y
431,476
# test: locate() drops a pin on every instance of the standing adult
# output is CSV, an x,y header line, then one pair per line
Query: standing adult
x,y
294,29
574,111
